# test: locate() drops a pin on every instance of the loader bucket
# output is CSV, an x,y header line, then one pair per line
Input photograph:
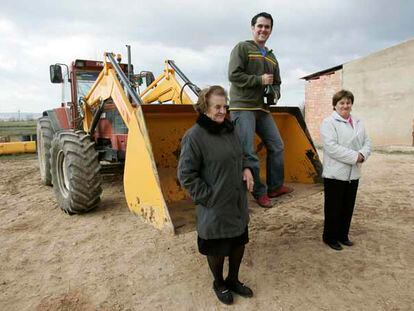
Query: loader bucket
x,y
150,177
302,164
151,187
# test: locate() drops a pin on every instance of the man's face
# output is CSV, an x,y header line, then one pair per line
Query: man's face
x,y
262,30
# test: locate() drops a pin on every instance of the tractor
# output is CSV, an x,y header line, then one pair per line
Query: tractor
x,y
110,121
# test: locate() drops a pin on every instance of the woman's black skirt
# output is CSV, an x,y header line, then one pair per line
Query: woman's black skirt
x,y
222,247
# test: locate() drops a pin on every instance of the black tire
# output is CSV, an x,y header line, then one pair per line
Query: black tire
x,y
75,172
44,134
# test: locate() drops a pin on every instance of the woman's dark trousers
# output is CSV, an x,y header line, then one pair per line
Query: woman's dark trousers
x,y
339,207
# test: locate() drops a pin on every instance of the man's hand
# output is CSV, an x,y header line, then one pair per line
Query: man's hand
x,y
248,178
360,158
267,79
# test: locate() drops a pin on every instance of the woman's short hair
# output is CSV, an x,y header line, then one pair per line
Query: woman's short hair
x,y
342,94
205,94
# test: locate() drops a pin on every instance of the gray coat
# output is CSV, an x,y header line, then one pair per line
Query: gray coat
x,y
211,170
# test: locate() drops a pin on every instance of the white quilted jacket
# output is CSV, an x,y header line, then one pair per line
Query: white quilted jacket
x,y
341,145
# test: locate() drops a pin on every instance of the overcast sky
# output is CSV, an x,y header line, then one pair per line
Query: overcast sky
x,y
308,36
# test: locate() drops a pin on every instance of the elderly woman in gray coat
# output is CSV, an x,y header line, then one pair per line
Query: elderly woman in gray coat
x,y
212,169
345,147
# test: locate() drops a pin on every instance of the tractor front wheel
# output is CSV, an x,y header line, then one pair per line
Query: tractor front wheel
x,y
75,172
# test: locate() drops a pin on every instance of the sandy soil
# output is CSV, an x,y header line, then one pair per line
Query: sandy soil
x,y
110,260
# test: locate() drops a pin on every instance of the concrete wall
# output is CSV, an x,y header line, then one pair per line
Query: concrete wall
x,y
318,100
383,85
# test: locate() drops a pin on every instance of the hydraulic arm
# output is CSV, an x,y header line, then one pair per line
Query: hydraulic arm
x,y
141,182
166,88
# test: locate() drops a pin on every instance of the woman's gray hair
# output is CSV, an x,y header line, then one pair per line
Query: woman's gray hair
x,y
203,98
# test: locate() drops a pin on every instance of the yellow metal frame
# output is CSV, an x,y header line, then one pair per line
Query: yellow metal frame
x,y
166,88
18,147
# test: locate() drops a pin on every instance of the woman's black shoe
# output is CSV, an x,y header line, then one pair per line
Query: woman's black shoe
x,y
346,242
239,288
223,294
334,245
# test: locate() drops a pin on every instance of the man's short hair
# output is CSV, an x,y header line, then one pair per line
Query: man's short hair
x,y
265,15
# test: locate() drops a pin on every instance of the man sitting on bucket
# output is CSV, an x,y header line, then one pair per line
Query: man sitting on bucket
x,y
255,85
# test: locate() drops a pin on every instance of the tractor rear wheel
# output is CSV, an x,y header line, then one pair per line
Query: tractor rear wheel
x,y
75,172
44,134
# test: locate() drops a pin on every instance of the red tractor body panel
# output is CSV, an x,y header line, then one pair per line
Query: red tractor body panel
x,y
110,133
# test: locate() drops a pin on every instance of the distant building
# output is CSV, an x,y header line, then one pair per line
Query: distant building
x,y
383,86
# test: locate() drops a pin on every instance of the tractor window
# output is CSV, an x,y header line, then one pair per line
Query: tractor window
x,y
85,81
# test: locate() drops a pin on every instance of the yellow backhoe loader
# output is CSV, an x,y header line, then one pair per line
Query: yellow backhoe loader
x,y
109,120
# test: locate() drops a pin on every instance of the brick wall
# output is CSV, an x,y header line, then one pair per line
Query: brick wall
x,y
318,100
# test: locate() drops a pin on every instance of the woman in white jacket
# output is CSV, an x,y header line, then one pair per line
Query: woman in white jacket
x,y
345,147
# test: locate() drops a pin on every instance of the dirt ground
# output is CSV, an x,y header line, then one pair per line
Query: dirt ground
x,y
110,260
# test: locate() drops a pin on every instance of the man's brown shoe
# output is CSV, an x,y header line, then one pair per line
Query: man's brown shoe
x,y
264,201
280,191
